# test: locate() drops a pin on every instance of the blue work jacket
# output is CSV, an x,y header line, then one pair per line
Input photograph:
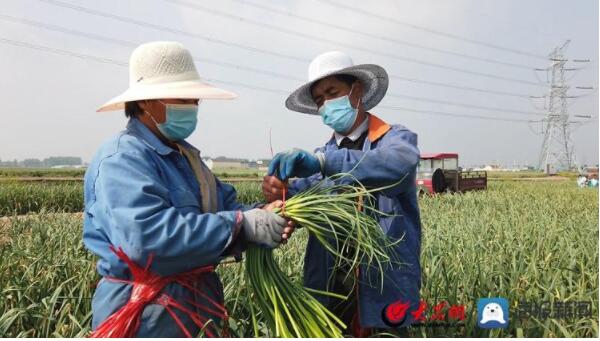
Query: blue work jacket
x,y
142,196
389,154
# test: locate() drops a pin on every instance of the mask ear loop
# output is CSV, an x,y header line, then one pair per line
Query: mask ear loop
x,y
358,105
149,114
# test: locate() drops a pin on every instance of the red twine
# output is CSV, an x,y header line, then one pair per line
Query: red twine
x,y
283,193
147,287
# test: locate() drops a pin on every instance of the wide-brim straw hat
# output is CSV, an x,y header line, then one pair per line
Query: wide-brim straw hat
x,y
373,77
161,70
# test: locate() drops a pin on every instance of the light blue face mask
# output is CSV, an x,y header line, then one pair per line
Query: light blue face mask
x,y
338,113
180,123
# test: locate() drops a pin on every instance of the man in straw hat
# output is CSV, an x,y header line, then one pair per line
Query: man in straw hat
x,y
156,217
376,154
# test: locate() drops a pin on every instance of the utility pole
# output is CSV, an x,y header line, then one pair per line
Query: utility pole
x,y
557,152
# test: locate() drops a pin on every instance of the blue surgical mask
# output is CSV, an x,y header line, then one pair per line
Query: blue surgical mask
x,y
339,114
181,120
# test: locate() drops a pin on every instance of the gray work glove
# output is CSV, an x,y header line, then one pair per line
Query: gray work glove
x,y
263,227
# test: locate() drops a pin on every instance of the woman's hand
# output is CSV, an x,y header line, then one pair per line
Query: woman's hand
x,y
291,226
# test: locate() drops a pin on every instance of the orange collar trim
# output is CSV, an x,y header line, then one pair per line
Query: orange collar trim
x,y
377,128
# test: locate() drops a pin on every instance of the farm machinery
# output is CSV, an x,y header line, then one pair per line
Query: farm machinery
x,y
439,172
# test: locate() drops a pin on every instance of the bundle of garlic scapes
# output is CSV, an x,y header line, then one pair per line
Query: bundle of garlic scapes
x,y
341,218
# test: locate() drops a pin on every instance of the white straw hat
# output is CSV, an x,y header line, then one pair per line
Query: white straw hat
x,y
164,69
373,78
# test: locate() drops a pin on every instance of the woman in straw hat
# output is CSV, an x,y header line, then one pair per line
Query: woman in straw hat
x,y
377,154
156,217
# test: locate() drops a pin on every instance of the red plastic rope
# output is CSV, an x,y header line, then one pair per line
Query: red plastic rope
x,y
147,288
283,194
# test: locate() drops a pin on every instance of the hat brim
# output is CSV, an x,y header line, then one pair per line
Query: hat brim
x,y
373,77
180,90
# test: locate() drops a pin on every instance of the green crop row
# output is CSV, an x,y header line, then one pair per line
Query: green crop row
x,y
24,197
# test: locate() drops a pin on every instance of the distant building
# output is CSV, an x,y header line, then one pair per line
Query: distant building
x,y
225,162
261,164
489,167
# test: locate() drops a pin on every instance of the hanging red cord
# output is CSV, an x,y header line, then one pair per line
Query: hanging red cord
x,y
147,288
284,192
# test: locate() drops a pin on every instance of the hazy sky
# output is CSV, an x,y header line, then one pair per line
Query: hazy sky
x,y
49,97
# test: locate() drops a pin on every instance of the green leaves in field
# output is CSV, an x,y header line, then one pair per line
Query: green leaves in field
x,y
47,278
22,197
533,241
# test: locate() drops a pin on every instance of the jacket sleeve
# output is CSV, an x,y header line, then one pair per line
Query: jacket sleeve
x,y
230,198
143,217
298,185
393,161
230,203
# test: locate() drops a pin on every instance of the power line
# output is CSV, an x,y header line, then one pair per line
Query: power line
x,y
338,27
443,113
432,31
235,66
117,62
61,29
459,87
62,52
512,24
350,46
214,40
412,80
167,29
125,64
465,105
126,43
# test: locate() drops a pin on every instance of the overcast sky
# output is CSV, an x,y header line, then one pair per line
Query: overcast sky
x,y
49,97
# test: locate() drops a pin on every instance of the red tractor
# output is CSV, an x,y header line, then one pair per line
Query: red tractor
x,y
439,173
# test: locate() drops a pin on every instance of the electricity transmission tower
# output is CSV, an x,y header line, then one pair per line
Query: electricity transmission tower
x,y
557,152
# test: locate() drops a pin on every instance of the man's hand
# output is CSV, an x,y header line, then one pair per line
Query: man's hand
x,y
272,188
295,163
291,226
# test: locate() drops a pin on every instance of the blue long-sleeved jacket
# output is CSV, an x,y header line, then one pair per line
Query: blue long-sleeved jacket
x,y
141,195
389,154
